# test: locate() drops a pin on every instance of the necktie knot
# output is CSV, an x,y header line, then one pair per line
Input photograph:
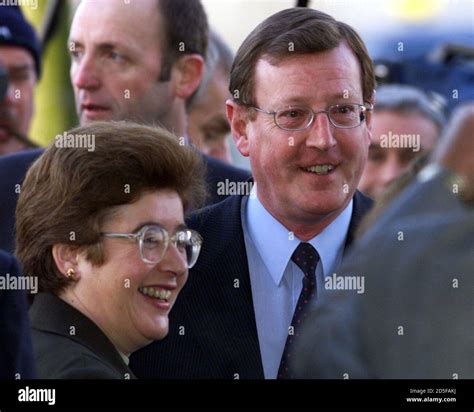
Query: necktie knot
x,y
306,258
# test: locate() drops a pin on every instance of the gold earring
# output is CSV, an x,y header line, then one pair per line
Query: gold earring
x,y
70,273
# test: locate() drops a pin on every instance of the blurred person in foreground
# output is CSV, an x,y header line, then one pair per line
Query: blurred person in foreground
x,y
20,55
104,232
208,125
302,116
414,320
407,123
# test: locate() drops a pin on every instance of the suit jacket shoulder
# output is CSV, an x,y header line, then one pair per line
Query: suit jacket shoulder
x,y
362,205
12,172
217,174
68,345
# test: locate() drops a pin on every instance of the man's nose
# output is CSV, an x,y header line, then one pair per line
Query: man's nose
x,y
85,74
321,133
12,95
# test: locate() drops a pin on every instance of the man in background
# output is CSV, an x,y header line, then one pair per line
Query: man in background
x,y
407,124
208,125
20,56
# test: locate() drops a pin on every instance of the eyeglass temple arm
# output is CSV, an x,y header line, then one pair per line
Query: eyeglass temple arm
x,y
131,236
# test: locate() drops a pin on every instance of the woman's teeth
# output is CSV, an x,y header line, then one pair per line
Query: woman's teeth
x,y
320,169
155,293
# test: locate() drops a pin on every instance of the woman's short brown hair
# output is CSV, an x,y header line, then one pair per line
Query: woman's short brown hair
x,y
290,32
68,192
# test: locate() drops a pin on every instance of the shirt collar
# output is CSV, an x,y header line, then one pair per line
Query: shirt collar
x,y
124,357
276,245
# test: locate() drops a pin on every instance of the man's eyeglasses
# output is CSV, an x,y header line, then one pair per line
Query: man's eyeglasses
x,y
342,116
153,242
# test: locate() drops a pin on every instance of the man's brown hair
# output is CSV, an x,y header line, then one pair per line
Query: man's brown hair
x,y
69,192
292,32
186,31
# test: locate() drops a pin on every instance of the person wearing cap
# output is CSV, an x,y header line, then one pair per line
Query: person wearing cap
x,y
20,56
208,127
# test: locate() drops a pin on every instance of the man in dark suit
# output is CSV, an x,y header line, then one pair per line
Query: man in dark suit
x,y
128,70
12,172
16,351
414,320
301,113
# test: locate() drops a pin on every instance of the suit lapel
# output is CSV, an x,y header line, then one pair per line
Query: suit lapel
x,y
362,205
221,278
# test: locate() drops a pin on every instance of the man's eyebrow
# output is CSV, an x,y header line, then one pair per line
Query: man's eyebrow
x,y
105,46
346,94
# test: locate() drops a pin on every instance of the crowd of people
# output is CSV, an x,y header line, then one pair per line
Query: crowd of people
x,y
146,269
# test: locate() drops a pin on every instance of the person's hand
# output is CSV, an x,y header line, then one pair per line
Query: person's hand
x,y
455,151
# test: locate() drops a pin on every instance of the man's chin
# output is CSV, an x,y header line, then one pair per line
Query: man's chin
x,y
11,146
325,203
96,116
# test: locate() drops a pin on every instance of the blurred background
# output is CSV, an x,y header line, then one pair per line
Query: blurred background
x,y
427,43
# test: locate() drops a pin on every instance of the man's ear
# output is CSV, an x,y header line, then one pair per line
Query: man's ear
x,y
66,258
186,75
369,115
238,118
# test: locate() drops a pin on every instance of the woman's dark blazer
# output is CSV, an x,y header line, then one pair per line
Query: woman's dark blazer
x,y
68,345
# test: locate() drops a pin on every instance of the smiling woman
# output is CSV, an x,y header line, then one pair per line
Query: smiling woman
x,y
104,233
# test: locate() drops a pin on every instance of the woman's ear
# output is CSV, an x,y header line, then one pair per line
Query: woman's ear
x,y
65,257
238,119
186,75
